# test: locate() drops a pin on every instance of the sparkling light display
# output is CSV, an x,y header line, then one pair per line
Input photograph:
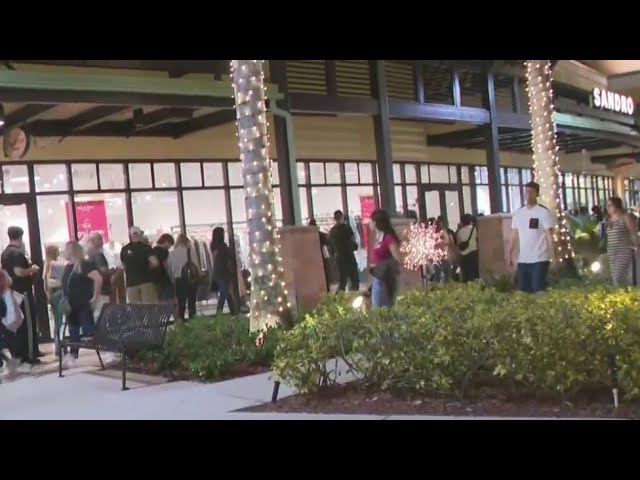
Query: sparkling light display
x,y
545,152
420,249
269,302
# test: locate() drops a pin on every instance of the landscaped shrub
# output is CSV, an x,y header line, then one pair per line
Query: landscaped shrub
x,y
210,348
450,339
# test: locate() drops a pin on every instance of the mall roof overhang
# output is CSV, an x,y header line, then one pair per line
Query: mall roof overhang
x,y
115,105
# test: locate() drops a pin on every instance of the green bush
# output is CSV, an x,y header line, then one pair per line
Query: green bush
x,y
209,348
452,338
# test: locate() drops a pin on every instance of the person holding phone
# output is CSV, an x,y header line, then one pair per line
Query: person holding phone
x,y
532,231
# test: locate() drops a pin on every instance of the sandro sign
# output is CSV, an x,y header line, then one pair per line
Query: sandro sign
x,y
613,102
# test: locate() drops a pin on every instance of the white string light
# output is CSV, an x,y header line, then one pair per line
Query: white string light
x,y
546,164
268,294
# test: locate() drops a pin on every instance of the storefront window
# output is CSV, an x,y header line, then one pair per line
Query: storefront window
x,y
482,196
453,174
466,196
439,173
412,198
333,173
85,176
397,176
111,176
424,173
275,176
410,174
190,174
277,203
54,215
140,175
326,200
399,201
239,213
464,173
366,175
16,179
317,172
351,173
204,209
302,176
14,216
155,212
354,195
104,213
213,174
165,175
235,174
49,178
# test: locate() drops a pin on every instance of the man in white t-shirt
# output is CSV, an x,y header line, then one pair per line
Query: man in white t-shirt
x,y
532,231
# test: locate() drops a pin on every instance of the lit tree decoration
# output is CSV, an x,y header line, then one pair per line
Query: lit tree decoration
x,y
545,157
420,247
269,302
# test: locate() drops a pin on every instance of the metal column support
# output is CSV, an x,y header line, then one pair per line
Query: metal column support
x,y
493,146
382,134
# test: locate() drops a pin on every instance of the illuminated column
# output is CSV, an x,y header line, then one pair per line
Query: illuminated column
x,y
269,303
545,153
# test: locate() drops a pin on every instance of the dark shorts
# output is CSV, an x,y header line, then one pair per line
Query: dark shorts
x,y
532,277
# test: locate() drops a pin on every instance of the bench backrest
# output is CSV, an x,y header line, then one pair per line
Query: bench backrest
x,y
135,325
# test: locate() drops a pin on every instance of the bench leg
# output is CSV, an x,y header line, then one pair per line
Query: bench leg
x,y
60,361
100,359
124,370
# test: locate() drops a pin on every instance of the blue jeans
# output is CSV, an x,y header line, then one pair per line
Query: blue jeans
x,y
532,277
442,272
379,296
80,322
225,295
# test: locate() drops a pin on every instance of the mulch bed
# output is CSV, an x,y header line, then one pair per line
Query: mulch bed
x,y
489,401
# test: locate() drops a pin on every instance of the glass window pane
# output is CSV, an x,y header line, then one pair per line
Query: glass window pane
x,y
453,209
326,200
317,172
111,176
464,173
399,202
104,213
513,176
527,175
235,174
156,213
514,198
397,177
16,216
84,176
333,173
505,203
302,177
503,176
165,175
238,209
351,172
355,216
410,173
365,173
466,196
277,205
453,175
482,196
275,176
240,224
439,173
49,178
201,221
190,174
432,204
16,179
412,198
54,215
140,175
304,207
424,173
213,176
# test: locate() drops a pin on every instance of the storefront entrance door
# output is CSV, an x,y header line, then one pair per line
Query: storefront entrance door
x,y
440,200
19,210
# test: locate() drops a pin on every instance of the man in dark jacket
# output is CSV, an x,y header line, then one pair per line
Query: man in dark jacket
x,y
138,261
343,245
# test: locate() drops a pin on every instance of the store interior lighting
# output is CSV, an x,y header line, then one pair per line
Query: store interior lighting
x,y
1,115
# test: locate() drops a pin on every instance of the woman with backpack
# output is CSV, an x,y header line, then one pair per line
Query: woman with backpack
x,y
224,268
185,274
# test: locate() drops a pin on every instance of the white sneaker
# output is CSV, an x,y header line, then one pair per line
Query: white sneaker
x,y
24,368
68,362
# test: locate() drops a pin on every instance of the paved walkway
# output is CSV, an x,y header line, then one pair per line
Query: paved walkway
x,y
88,394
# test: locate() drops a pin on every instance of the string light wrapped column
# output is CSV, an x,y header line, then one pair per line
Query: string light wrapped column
x,y
269,302
546,163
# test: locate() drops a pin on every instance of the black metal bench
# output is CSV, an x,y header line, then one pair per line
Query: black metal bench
x,y
124,329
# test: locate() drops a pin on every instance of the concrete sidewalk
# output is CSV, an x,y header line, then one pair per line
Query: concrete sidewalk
x,y
86,394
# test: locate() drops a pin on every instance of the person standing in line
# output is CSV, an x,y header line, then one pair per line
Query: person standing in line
x,y
52,275
161,278
224,271
448,245
7,363
324,252
532,228
95,254
386,263
622,242
343,246
138,261
22,273
81,286
185,275
467,240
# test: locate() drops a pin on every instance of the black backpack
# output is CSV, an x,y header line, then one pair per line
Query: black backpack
x,y
190,272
